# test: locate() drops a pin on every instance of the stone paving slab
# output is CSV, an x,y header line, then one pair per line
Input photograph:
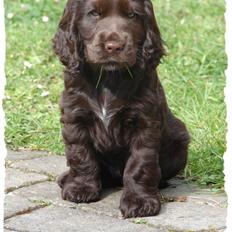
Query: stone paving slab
x,y
108,205
186,207
54,218
48,191
24,155
51,165
173,214
15,204
189,216
51,192
16,179
181,188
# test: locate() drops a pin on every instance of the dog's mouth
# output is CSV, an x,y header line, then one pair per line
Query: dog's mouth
x,y
113,66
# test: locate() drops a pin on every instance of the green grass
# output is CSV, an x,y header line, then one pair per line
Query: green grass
x,y
192,74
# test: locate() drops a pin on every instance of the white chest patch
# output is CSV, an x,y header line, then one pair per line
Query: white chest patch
x,y
103,112
104,116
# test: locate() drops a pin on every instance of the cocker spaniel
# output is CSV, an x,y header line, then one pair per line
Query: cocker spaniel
x,y
117,127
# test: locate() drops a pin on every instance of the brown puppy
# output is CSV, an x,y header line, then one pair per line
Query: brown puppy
x,y
117,127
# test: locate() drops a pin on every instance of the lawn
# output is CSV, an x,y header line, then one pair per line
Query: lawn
x,y
192,74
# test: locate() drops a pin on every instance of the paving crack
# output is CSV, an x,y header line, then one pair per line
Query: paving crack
x,y
144,222
9,162
15,230
26,170
26,211
11,189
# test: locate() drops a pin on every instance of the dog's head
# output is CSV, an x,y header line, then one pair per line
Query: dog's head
x,y
114,34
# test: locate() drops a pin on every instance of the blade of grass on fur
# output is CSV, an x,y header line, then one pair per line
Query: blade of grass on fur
x,y
99,78
129,71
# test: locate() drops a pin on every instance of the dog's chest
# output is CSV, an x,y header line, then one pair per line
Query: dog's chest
x,y
107,107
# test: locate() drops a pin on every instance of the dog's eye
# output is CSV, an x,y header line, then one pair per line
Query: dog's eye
x,y
131,15
94,13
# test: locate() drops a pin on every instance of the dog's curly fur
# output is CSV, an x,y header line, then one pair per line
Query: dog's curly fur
x,y
122,132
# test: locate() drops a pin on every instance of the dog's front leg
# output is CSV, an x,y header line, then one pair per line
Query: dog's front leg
x,y
82,182
140,196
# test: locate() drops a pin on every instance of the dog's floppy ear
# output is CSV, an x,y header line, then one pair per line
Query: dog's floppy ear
x,y
66,41
153,49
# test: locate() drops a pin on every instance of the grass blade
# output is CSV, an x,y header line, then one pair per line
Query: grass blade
x,y
129,71
99,78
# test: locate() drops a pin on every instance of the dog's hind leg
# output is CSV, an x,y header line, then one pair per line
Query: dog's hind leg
x,y
174,149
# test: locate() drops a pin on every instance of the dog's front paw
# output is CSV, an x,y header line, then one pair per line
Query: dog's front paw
x,y
80,193
76,190
133,205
